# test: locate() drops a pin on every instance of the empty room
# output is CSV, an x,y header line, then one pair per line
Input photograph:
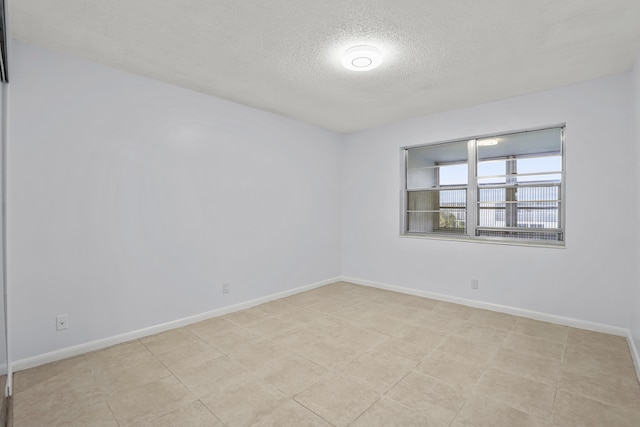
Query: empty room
x,y
320,213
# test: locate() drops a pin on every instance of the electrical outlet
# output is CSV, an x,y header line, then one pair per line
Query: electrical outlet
x,y
62,322
474,283
226,287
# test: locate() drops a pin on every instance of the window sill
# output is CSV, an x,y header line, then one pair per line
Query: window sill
x,y
486,240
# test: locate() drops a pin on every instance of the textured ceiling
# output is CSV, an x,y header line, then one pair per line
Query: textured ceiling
x,y
284,55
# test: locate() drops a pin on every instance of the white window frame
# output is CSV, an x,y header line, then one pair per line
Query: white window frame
x,y
472,196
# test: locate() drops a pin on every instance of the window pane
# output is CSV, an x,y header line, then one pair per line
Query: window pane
x,y
540,164
525,207
492,168
454,174
524,144
435,211
440,164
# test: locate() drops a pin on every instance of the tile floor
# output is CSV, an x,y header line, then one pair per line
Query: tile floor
x,y
343,355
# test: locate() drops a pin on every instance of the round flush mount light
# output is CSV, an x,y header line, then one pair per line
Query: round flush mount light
x,y
361,58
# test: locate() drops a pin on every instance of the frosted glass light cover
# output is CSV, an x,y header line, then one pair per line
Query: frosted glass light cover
x,y
361,58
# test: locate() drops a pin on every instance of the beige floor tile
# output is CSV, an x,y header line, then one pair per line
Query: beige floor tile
x,y
271,327
330,305
534,346
166,342
179,346
298,338
617,351
526,395
421,336
193,415
394,348
98,415
359,312
332,290
493,319
473,352
542,330
255,354
114,358
612,390
422,303
209,330
388,413
300,315
328,353
125,366
369,292
597,363
374,305
442,322
290,414
576,411
304,299
228,341
384,295
525,365
275,307
328,326
396,298
408,313
429,396
292,375
72,390
454,310
144,404
337,400
483,412
114,380
359,339
243,403
23,380
472,332
382,324
597,341
413,301
201,379
451,369
247,317
378,374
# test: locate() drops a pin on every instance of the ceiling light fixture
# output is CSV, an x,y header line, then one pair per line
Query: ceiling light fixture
x,y
487,142
361,58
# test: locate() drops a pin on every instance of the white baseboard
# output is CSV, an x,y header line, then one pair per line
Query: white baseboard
x,y
567,321
64,353
634,353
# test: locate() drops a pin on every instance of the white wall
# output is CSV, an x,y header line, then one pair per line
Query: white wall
x,y
3,335
131,201
635,296
589,280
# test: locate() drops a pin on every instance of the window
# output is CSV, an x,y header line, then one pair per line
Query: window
x,y
505,187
